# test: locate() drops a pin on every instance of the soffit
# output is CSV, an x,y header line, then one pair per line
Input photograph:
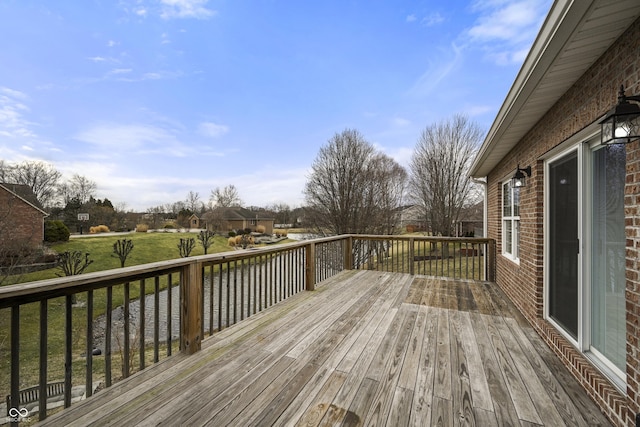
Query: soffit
x,y
574,35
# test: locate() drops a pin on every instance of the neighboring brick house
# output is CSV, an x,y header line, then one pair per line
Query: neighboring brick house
x,y
237,218
21,217
568,241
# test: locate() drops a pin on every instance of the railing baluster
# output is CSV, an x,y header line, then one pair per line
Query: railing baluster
x,y
211,299
107,337
141,318
279,272
169,315
15,357
126,367
42,401
235,291
228,264
156,319
270,279
242,289
202,303
220,297
89,346
67,350
256,296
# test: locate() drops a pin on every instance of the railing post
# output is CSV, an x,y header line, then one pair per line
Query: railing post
x,y
411,256
491,261
310,266
348,253
191,307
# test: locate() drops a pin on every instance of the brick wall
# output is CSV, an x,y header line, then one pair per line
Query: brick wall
x,y
20,223
583,104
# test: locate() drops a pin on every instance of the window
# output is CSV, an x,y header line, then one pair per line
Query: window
x,y
510,220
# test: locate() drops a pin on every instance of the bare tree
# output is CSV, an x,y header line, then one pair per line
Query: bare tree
x,y
439,183
193,202
42,177
281,213
226,197
82,188
391,179
352,189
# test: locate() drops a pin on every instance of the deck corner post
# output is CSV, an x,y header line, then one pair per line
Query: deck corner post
x,y
310,266
191,307
348,253
491,261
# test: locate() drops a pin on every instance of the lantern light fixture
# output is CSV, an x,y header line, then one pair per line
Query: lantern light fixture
x,y
520,177
621,124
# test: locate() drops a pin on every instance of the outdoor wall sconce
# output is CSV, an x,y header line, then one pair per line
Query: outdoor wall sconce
x,y
621,125
519,178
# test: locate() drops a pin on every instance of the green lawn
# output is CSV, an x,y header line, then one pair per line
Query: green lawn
x,y
147,247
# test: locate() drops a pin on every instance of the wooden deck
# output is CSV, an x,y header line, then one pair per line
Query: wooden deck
x,y
365,348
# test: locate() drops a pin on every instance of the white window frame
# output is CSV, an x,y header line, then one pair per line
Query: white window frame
x,y
513,220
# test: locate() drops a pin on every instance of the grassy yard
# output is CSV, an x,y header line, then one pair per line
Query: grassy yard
x,y
148,247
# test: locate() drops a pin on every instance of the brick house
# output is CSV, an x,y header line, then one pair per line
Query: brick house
x,y
237,218
568,241
21,217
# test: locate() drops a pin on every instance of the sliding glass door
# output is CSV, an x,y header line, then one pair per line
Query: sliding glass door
x,y
563,242
585,252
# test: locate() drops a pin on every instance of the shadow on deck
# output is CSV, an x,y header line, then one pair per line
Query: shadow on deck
x,y
364,348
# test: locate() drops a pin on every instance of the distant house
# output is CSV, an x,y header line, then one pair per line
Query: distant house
x,y
470,222
195,221
21,217
412,218
237,218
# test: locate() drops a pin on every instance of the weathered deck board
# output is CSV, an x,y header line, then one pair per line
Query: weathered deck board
x,y
366,348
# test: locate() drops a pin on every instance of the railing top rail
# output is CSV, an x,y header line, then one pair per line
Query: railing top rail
x,y
425,238
51,288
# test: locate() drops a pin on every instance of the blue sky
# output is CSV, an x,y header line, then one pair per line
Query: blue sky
x,y
152,99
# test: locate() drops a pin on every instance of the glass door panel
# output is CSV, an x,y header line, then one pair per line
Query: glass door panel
x,y
563,242
608,254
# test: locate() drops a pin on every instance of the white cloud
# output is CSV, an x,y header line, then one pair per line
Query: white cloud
x,y
401,122
438,71
478,110
506,29
97,59
185,9
411,18
212,130
120,71
432,19
13,93
111,140
13,123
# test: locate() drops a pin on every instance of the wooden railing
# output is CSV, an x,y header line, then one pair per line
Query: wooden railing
x,y
106,325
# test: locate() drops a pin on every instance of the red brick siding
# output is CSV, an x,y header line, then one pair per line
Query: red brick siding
x,y
583,104
20,223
